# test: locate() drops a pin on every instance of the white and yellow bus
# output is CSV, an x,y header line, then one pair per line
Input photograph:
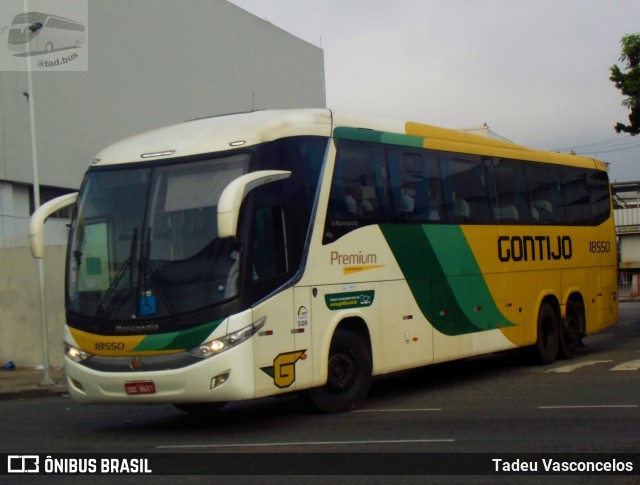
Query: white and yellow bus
x,y
251,255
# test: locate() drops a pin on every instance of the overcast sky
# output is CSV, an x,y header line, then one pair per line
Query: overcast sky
x,y
536,71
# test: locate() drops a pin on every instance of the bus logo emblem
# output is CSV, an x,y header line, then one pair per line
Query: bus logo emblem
x,y
283,370
136,364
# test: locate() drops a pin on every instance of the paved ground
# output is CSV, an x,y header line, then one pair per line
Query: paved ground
x,y
21,383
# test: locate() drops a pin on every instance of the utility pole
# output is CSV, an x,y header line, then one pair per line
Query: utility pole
x,y
46,379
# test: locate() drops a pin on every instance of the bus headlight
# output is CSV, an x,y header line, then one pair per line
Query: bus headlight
x,y
215,347
74,353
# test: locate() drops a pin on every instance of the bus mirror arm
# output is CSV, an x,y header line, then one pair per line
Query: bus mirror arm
x,y
234,193
36,225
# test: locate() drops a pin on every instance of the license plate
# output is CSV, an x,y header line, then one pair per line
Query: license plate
x,y
140,387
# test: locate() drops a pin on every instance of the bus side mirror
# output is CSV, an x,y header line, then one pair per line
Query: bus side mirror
x,y
35,27
36,225
233,194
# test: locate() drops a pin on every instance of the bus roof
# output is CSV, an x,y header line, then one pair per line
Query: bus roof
x,y
220,133
32,17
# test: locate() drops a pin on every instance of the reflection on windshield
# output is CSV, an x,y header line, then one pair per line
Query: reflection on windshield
x,y
145,245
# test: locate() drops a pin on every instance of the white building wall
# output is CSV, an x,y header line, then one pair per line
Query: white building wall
x,y
20,328
7,238
14,215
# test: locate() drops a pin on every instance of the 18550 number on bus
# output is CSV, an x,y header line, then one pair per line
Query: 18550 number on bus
x,y
599,247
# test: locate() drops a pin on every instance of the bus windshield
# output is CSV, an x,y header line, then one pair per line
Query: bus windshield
x,y
144,241
25,27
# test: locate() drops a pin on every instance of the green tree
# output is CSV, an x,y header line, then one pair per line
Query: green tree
x,y
629,82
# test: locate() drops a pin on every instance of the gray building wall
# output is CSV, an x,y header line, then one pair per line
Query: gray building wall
x,y
151,63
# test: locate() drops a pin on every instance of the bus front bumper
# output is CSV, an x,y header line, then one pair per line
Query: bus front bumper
x,y
225,377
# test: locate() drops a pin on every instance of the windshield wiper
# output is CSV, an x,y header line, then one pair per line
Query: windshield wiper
x,y
128,263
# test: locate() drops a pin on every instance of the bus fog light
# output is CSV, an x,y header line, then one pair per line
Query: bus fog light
x,y
219,380
77,384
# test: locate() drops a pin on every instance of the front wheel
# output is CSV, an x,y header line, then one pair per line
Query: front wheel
x,y
348,375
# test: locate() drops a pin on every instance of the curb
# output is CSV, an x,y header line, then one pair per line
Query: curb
x,y
25,383
33,393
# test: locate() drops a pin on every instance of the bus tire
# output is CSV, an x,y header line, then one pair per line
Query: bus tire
x,y
200,408
545,349
570,333
348,375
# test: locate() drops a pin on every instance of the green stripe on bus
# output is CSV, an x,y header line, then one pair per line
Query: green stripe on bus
x,y
444,278
373,136
183,339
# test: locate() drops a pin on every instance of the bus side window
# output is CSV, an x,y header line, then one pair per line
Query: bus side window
x,y
415,185
466,188
405,175
576,195
512,205
358,189
598,188
545,194
430,204
269,247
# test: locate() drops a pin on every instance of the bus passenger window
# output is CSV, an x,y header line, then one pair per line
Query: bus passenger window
x,y
435,206
598,187
576,195
466,188
512,203
415,184
545,194
358,195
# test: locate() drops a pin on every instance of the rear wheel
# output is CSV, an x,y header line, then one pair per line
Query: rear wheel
x,y
570,332
200,408
545,349
348,375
